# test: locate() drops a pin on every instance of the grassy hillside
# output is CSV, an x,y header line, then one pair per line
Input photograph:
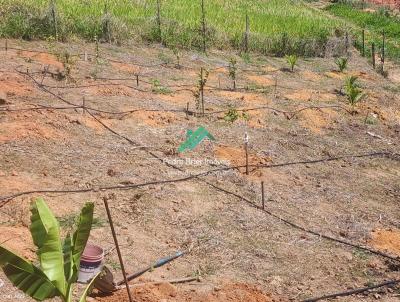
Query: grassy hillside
x,y
374,23
277,26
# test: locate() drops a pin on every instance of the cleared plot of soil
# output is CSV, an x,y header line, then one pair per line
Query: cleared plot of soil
x,y
320,170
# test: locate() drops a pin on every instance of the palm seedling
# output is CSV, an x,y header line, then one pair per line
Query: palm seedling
x,y
291,60
58,260
353,91
341,63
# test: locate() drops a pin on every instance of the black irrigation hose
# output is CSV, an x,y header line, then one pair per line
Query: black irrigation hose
x,y
353,291
162,64
5,199
288,114
237,195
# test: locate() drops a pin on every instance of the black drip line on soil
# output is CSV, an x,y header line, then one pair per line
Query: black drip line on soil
x,y
288,114
395,156
161,64
5,199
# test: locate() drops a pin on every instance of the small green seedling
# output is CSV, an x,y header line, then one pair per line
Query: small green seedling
x,y
232,71
232,115
353,91
59,260
291,60
341,63
158,88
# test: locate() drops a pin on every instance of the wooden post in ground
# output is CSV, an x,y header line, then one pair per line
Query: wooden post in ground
x,y
246,35
203,23
54,17
246,150
363,42
117,248
6,46
137,80
383,48
373,54
83,105
159,20
262,195
202,91
187,110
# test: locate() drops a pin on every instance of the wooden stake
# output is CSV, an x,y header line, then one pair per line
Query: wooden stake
x,y
83,105
187,110
117,247
202,90
363,42
53,14
373,54
383,48
246,35
159,20
137,80
347,43
262,195
86,57
6,45
246,150
203,23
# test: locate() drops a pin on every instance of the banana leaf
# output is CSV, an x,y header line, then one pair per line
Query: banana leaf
x,y
88,288
68,262
25,276
45,232
81,237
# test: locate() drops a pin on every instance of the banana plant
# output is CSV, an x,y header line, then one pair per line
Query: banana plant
x,y
59,260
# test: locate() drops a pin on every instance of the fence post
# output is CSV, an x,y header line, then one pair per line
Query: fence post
x,y
246,35
373,54
137,80
347,43
363,42
246,150
6,45
159,20
262,195
383,47
202,90
54,17
203,22
83,105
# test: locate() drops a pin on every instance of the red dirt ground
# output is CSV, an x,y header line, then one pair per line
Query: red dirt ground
x,y
230,292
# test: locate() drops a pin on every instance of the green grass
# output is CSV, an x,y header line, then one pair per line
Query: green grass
x,y
277,26
374,23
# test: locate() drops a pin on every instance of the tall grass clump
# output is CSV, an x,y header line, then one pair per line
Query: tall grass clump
x,y
277,27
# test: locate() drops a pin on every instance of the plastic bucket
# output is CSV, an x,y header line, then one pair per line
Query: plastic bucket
x,y
91,262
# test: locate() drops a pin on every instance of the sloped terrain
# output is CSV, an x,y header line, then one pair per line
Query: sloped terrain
x,y
326,168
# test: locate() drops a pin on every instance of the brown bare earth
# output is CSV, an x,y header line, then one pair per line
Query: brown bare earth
x,y
230,292
327,168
